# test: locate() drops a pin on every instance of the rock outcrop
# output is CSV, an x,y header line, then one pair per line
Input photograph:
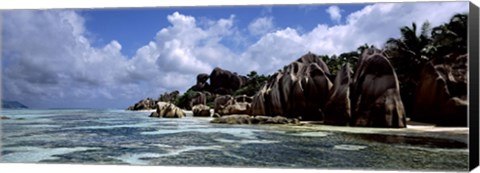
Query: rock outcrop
x,y
224,82
145,104
441,95
300,90
228,105
201,111
199,98
337,109
221,102
376,98
246,119
202,84
168,110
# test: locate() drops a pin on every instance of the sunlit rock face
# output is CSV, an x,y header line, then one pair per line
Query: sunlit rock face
x,y
201,111
441,95
168,110
229,105
299,90
375,96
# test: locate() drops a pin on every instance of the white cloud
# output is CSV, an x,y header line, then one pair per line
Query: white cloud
x,y
374,24
335,13
261,25
70,68
48,60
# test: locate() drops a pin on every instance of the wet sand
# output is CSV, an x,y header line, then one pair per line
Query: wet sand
x,y
414,129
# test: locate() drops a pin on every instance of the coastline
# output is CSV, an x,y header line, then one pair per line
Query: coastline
x,y
459,134
413,129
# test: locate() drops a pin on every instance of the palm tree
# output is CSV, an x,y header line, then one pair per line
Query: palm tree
x,y
408,55
410,52
450,37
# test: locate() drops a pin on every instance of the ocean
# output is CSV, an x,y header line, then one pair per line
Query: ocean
x,y
85,136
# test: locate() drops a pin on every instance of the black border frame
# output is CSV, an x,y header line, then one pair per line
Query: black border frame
x,y
473,42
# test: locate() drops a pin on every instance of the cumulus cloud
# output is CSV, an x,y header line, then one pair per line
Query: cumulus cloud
x,y
373,24
335,13
261,25
47,59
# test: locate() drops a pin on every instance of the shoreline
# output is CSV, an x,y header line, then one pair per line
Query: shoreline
x,y
413,129
459,134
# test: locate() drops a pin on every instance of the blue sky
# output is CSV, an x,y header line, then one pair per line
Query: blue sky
x,y
135,27
111,58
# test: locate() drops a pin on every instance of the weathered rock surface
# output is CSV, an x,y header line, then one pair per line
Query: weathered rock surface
x,y
441,95
168,110
337,109
246,119
200,98
202,84
376,98
301,89
224,82
221,102
145,104
201,111
228,105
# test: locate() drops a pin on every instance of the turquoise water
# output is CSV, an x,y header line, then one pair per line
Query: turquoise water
x,y
124,137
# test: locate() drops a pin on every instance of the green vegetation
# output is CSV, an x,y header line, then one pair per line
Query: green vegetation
x,y
184,100
255,82
408,55
411,52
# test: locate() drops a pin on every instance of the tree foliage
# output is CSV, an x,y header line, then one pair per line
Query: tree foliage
x,y
409,53
255,82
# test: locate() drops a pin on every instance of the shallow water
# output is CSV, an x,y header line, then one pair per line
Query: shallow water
x,y
123,137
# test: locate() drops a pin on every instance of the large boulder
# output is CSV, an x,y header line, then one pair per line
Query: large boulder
x,y
199,98
300,90
224,82
201,111
376,98
337,109
145,104
168,110
441,95
228,105
221,102
202,84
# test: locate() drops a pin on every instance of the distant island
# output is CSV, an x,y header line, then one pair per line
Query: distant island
x,y
13,105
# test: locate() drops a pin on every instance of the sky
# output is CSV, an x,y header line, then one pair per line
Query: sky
x,y
112,58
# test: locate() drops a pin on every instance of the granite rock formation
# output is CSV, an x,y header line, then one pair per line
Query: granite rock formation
x,y
441,95
300,90
375,96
